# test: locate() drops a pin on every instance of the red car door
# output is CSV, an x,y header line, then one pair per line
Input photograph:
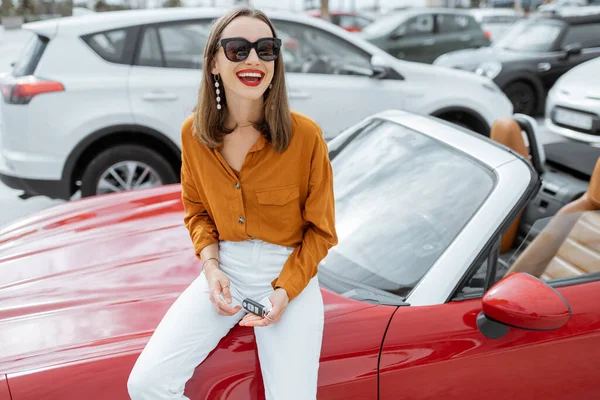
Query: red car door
x,y
438,351
4,392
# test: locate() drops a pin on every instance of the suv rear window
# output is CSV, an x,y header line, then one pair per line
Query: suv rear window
x,y
30,56
110,45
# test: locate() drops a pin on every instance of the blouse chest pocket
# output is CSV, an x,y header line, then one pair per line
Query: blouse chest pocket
x,y
278,196
279,209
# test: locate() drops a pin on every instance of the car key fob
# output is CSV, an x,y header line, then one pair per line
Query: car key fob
x,y
257,308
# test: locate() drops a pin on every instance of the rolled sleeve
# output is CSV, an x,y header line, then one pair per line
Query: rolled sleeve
x,y
201,226
320,235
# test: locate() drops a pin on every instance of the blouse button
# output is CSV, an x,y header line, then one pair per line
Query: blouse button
x,y
241,219
237,185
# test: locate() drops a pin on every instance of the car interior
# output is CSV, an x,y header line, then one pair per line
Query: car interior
x,y
553,248
315,52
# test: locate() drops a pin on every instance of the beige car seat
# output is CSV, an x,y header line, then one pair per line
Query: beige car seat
x,y
569,245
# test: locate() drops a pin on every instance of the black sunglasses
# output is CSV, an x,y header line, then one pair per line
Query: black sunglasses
x,y
238,49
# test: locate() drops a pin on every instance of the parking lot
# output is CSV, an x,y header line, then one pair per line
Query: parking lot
x,y
411,247
11,43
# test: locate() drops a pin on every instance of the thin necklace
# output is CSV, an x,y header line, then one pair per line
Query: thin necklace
x,y
243,126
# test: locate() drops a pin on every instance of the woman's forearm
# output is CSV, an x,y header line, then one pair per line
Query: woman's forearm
x,y
210,256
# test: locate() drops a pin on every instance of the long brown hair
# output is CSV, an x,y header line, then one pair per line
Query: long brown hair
x,y
209,122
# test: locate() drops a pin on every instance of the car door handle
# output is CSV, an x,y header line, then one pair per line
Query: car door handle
x,y
544,66
465,38
160,96
428,42
298,95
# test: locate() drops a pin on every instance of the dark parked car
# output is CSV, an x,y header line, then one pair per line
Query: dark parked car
x,y
527,60
349,20
424,34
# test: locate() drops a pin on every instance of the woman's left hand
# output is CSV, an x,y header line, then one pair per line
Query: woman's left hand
x,y
279,300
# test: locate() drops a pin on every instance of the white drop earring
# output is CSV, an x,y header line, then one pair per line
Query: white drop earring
x,y
270,86
218,92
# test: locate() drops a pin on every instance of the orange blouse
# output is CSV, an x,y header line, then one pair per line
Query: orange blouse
x,y
285,198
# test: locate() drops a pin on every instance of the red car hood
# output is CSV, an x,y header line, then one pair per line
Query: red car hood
x,y
94,277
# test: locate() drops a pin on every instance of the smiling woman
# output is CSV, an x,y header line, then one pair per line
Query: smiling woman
x,y
221,83
257,188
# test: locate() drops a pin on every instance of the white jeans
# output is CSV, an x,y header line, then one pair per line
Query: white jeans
x,y
289,350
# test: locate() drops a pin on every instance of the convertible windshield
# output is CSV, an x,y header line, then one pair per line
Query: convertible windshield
x,y
401,200
530,35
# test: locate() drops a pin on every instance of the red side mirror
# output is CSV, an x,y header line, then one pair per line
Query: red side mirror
x,y
522,301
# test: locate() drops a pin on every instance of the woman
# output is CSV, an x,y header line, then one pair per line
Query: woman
x,y
257,188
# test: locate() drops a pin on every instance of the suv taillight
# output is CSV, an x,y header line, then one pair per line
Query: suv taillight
x,y
22,90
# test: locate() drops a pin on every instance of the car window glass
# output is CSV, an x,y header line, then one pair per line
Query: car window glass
x,y
587,35
530,36
362,22
179,45
393,187
108,45
419,25
560,247
346,21
382,26
150,54
476,283
452,23
352,21
30,56
183,44
312,51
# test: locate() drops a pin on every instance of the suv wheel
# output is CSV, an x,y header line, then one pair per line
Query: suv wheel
x,y
522,97
125,167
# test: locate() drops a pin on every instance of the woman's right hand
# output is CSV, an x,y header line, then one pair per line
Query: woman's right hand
x,y
218,283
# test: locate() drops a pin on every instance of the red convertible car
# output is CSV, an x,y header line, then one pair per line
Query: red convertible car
x,y
459,274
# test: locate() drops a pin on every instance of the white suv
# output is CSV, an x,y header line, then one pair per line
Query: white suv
x,y
96,102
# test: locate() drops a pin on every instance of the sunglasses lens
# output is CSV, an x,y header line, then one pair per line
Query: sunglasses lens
x,y
268,50
237,50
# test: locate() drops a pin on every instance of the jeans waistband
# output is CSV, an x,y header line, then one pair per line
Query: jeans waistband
x,y
252,262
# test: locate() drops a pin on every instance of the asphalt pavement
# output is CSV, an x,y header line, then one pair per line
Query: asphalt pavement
x,y
11,206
